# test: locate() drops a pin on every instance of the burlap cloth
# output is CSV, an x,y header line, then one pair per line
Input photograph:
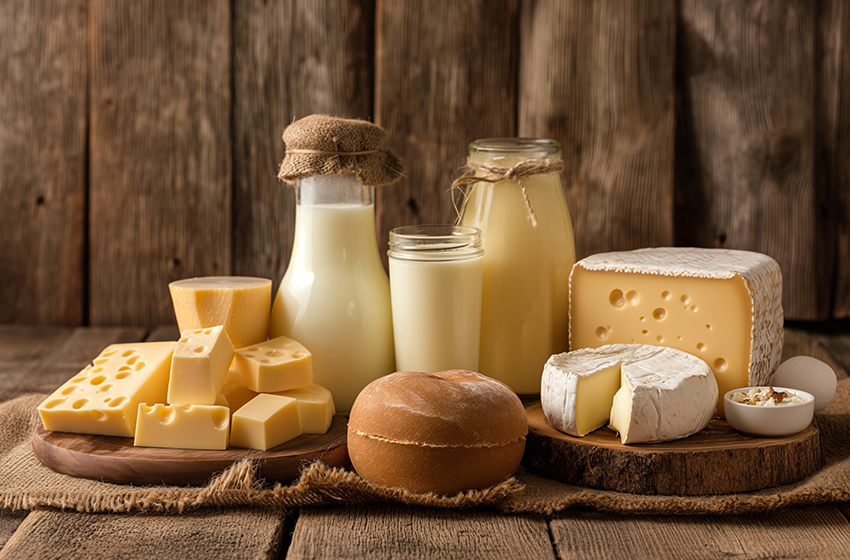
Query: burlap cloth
x,y
25,483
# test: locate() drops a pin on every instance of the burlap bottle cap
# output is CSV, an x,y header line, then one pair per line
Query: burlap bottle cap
x,y
325,145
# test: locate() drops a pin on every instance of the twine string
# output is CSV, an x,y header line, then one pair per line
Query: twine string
x,y
321,153
495,173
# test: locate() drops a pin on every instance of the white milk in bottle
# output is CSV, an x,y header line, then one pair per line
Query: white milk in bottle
x,y
334,298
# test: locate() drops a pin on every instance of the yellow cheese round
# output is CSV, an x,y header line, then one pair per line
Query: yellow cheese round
x,y
241,304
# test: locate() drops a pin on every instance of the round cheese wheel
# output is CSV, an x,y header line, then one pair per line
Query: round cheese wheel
x,y
444,432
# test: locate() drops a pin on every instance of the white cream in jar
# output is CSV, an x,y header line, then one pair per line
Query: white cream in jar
x,y
435,286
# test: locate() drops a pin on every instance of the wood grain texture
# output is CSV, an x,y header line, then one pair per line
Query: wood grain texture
x,y
717,460
43,125
244,533
116,459
792,533
599,78
832,175
160,171
445,75
746,138
292,58
378,531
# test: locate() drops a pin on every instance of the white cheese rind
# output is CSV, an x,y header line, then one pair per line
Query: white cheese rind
x,y
667,396
760,273
671,394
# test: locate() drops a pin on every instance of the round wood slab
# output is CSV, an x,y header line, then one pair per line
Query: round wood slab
x,y
717,460
115,459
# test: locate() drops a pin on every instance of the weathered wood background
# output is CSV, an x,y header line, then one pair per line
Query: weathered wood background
x,y
139,140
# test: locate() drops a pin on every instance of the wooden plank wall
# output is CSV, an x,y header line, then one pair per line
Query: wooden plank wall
x,y
139,140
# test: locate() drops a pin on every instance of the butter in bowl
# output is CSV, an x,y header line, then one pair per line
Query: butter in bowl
x,y
769,411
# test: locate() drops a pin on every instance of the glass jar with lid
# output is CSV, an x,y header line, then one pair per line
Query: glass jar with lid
x,y
517,201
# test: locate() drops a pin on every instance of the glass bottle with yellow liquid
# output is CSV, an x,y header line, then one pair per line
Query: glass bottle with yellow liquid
x,y
518,204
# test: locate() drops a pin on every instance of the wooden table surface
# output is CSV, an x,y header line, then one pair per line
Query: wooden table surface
x,y
39,359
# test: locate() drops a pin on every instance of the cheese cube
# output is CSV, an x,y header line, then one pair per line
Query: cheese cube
x,y
183,427
235,392
265,422
104,397
278,364
241,304
199,366
315,408
722,306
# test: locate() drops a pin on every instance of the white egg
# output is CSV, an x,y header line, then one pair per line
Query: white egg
x,y
810,375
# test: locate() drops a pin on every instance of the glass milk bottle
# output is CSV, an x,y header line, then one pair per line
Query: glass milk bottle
x,y
435,284
334,297
528,254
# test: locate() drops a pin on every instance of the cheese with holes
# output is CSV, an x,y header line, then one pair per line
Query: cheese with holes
x,y
184,426
104,397
648,393
199,366
241,304
722,306
265,421
278,364
315,407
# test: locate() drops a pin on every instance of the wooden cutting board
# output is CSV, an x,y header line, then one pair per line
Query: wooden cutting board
x,y
115,459
717,460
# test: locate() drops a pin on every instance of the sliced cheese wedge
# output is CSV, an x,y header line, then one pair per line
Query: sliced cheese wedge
x,y
649,393
199,366
104,397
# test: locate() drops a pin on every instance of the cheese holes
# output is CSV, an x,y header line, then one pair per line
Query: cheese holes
x,y
220,417
720,364
666,295
118,402
617,299
123,374
297,355
708,326
265,361
199,349
660,338
208,331
96,370
71,389
108,353
54,403
140,366
80,403
147,408
79,379
659,314
165,414
644,331
132,360
98,415
274,353
100,361
701,347
128,353
601,333
98,380
183,340
633,297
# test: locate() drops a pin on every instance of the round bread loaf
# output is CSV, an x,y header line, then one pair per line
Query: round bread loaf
x,y
444,432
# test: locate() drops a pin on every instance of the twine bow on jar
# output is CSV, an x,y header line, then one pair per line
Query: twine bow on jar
x,y
495,173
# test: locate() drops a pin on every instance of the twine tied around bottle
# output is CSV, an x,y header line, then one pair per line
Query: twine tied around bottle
x,y
496,173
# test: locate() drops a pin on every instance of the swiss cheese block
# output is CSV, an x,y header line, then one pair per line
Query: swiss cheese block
x,y
104,397
199,366
265,422
183,426
241,304
278,364
649,393
315,408
722,306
